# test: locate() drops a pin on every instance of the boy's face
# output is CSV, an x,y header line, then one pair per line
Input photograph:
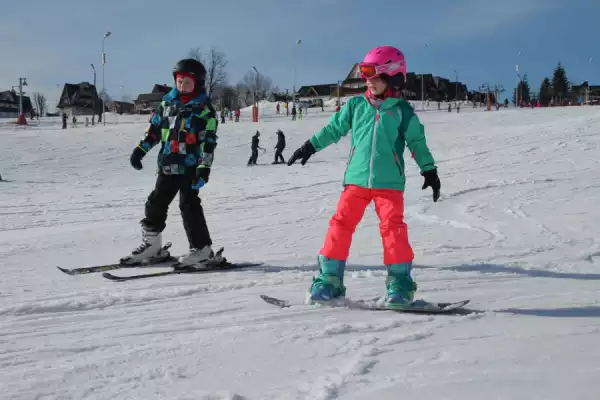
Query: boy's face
x,y
185,84
376,85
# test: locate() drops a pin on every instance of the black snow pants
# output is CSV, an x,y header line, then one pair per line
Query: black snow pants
x,y
279,156
253,157
158,202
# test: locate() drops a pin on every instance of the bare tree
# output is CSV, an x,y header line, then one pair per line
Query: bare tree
x,y
215,70
259,85
215,63
40,101
244,94
229,97
196,54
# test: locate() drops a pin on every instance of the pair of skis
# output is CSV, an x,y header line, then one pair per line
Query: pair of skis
x,y
218,263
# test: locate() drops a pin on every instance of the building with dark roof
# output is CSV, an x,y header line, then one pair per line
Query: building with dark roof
x,y
9,104
80,99
147,102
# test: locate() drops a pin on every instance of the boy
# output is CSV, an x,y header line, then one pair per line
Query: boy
x,y
185,125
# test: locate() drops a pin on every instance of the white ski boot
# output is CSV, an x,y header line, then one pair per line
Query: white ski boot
x,y
198,258
150,250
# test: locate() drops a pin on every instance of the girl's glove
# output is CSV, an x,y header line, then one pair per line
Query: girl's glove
x,y
432,180
303,153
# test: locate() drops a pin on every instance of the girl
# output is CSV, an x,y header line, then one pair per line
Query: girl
x,y
382,122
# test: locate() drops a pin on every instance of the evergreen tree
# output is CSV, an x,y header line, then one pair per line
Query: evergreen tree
x,y
560,84
524,91
545,92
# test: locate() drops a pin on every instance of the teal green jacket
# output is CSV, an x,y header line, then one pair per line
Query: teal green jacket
x,y
378,140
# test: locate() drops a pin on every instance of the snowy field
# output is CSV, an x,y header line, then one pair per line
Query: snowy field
x,y
516,231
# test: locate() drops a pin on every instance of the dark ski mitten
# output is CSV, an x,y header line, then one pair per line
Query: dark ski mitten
x,y
136,158
303,153
432,180
201,179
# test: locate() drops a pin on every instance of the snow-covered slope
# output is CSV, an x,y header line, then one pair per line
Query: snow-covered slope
x,y
516,231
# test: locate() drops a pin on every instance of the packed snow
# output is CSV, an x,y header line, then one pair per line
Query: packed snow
x,y
516,231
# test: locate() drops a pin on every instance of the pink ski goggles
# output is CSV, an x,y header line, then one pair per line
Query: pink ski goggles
x,y
370,71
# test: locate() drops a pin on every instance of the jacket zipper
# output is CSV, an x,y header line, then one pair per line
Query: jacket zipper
x,y
349,161
397,162
373,140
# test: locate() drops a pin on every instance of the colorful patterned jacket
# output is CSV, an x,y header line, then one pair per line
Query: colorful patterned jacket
x,y
187,133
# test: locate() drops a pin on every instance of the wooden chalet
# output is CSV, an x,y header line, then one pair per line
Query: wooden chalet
x,y
147,102
279,97
9,104
122,107
434,88
80,99
581,92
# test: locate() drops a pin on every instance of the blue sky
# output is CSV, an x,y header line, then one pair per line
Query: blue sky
x,y
53,42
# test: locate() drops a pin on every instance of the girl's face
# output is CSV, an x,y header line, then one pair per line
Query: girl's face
x,y
376,85
185,84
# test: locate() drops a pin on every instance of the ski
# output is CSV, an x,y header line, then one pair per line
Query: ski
x,y
223,266
417,307
109,267
216,264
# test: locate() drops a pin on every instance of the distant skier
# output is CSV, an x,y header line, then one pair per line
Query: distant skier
x,y
64,120
254,146
294,113
184,162
279,147
382,123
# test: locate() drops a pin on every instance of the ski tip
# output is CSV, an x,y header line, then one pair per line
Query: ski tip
x,y
275,302
455,304
65,270
112,277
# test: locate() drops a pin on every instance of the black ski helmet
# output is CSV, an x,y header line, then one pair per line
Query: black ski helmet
x,y
191,66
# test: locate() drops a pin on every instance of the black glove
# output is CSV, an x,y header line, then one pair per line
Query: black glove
x,y
303,153
136,158
201,178
432,180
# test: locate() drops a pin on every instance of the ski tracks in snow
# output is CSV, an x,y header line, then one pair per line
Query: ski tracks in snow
x,y
361,353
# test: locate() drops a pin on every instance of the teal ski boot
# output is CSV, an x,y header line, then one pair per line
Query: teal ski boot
x,y
330,282
400,287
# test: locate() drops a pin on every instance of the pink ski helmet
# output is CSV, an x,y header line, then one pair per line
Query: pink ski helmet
x,y
383,60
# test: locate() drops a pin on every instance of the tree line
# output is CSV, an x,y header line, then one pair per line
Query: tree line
x,y
254,86
555,91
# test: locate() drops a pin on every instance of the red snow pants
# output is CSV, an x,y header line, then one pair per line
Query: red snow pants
x,y
389,205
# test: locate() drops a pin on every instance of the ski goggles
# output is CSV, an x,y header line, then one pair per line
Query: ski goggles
x,y
370,71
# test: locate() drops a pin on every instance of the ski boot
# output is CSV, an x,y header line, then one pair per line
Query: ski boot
x,y
150,251
400,287
198,258
330,282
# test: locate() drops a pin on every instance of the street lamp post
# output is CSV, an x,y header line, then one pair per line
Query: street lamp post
x,y
94,101
588,86
423,88
21,118
518,82
107,34
456,95
294,62
256,87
